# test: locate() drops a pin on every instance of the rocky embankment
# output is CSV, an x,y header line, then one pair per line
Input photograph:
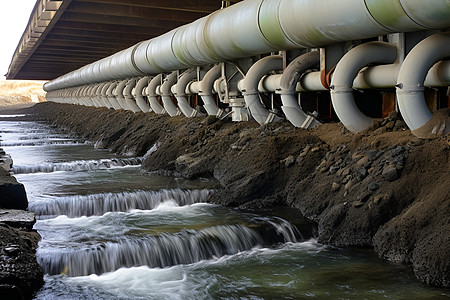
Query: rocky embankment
x,y
20,274
384,188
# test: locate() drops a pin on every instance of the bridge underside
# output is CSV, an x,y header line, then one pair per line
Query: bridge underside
x,y
65,35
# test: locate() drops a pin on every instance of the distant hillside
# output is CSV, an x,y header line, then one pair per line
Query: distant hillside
x,y
20,91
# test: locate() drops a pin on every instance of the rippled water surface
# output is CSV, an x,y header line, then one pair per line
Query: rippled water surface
x,y
110,231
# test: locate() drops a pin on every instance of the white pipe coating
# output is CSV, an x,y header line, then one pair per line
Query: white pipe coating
x,y
253,27
410,86
291,75
104,95
138,94
250,86
153,96
110,94
166,94
128,97
118,93
342,82
206,91
180,93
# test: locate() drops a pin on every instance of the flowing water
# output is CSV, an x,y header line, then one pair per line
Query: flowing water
x,y
110,231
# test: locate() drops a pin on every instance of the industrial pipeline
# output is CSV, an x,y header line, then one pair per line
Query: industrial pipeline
x,y
272,59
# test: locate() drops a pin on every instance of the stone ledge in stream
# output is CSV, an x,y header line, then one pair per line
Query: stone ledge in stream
x,y
20,274
17,218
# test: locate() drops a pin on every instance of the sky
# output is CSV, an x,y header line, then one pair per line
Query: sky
x,y
14,15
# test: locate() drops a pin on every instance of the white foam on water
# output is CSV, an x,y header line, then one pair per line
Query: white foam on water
x,y
79,165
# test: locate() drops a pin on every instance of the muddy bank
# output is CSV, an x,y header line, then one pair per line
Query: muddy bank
x,y
384,188
20,274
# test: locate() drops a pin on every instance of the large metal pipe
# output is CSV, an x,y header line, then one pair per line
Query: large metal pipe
x,y
206,91
288,82
342,82
153,96
118,93
250,87
180,93
254,27
166,94
110,94
139,96
128,97
410,86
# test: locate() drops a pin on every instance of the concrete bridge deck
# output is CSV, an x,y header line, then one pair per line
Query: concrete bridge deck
x,y
62,36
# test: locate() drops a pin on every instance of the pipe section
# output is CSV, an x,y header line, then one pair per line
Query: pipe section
x,y
180,93
137,93
166,95
153,96
342,82
288,82
254,27
206,91
250,87
129,99
410,86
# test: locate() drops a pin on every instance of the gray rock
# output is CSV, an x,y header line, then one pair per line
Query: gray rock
x,y
362,171
390,125
373,154
363,161
373,186
390,173
400,124
289,161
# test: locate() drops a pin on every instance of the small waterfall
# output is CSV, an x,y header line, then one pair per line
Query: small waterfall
x,y
33,142
99,204
78,165
184,247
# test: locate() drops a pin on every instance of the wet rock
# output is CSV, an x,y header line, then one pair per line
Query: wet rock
x,y
13,196
17,218
6,162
